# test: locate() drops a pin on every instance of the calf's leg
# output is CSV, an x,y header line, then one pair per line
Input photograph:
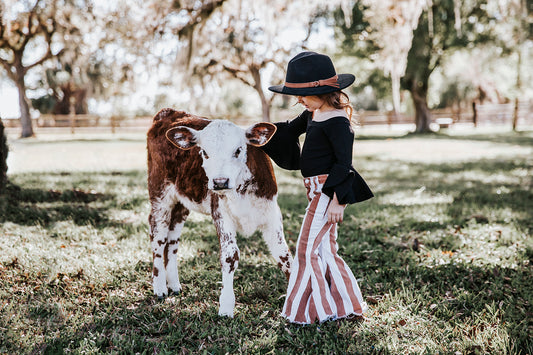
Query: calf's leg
x,y
275,240
229,259
166,223
179,215
159,227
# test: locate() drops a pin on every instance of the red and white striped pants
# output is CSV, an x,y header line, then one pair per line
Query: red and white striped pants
x,y
321,285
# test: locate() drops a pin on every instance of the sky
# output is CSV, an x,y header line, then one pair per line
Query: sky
x,y
9,107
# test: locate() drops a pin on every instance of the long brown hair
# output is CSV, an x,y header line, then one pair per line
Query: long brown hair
x,y
338,100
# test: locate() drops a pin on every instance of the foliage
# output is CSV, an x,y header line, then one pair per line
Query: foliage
x,y
438,31
91,49
251,42
411,39
443,254
145,55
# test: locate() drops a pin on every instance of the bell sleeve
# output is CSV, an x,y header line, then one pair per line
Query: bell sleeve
x,y
284,146
349,186
343,179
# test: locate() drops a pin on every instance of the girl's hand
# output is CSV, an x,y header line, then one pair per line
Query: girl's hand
x,y
335,211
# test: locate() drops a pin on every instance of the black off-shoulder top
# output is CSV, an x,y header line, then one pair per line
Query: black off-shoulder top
x,y
327,149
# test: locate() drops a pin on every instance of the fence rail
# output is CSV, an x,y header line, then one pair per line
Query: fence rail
x,y
476,115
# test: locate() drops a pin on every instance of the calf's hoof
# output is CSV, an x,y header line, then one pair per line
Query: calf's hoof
x,y
174,293
225,313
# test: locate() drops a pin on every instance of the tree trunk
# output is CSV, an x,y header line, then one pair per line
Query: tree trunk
x,y
265,104
518,88
422,114
25,118
3,158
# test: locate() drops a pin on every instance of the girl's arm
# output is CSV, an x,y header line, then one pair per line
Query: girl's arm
x,y
284,147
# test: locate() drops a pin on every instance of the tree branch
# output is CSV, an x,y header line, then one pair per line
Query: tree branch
x,y
7,66
237,73
26,38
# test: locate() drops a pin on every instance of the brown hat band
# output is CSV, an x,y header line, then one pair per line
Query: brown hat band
x,y
312,84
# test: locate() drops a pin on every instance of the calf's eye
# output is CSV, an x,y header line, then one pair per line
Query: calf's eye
x,y
237,152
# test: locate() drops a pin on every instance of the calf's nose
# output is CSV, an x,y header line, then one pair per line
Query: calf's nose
x,y
220,183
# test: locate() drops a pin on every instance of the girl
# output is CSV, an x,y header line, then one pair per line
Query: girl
x,y
321,286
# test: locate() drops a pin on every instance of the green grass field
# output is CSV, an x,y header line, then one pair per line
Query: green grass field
x,y
443,255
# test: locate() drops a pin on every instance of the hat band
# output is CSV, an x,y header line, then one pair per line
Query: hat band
x,y
313,84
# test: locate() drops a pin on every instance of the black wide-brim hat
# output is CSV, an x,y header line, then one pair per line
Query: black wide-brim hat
x,y
310,73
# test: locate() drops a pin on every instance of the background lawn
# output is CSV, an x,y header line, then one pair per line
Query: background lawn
x,y
443,254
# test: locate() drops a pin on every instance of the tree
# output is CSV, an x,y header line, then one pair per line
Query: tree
x,y
439,28
516,16
33,33
252,41
143,40
19,33
443,27
365,32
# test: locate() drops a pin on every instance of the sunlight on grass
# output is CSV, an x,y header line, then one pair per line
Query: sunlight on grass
x,y
67,248
416,197
477,244
478,176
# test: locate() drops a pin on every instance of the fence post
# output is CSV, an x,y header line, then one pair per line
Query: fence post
x,y
389,117
72,115
515,114
113,124
72,122
474,110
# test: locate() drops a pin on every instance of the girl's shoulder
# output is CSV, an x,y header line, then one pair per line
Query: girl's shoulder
x,y
333,122
330,116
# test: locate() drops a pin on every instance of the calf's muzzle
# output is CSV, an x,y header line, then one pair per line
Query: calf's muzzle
x,y
220,183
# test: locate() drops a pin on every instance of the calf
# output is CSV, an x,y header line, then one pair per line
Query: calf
x,y
212,167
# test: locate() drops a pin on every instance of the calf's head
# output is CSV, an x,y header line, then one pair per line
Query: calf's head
x,y
223,149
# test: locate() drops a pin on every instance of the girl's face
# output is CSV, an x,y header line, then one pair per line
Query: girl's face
x,y
311,103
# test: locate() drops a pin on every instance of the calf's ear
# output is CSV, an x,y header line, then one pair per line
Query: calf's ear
x,y
182,137
260,133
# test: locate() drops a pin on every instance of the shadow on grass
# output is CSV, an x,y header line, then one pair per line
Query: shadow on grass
x,y
85,198
467,299
31,206
475,189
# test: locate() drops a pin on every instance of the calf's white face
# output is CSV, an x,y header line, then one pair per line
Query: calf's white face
x,y
223,149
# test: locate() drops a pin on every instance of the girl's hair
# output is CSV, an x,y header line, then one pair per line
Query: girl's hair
x,y
338,100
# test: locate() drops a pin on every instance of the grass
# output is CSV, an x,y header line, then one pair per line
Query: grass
x,y
443,255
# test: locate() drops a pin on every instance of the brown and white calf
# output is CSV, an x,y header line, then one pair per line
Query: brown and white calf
x,y
213,167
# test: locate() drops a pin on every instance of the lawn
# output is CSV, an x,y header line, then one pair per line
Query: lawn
x,y
443,255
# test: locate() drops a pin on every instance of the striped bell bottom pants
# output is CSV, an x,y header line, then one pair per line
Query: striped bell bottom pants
x,y
321,286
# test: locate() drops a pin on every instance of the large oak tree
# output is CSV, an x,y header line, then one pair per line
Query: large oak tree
x,y
32,33
436,29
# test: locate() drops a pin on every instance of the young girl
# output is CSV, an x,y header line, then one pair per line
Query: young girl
x,y
321,286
